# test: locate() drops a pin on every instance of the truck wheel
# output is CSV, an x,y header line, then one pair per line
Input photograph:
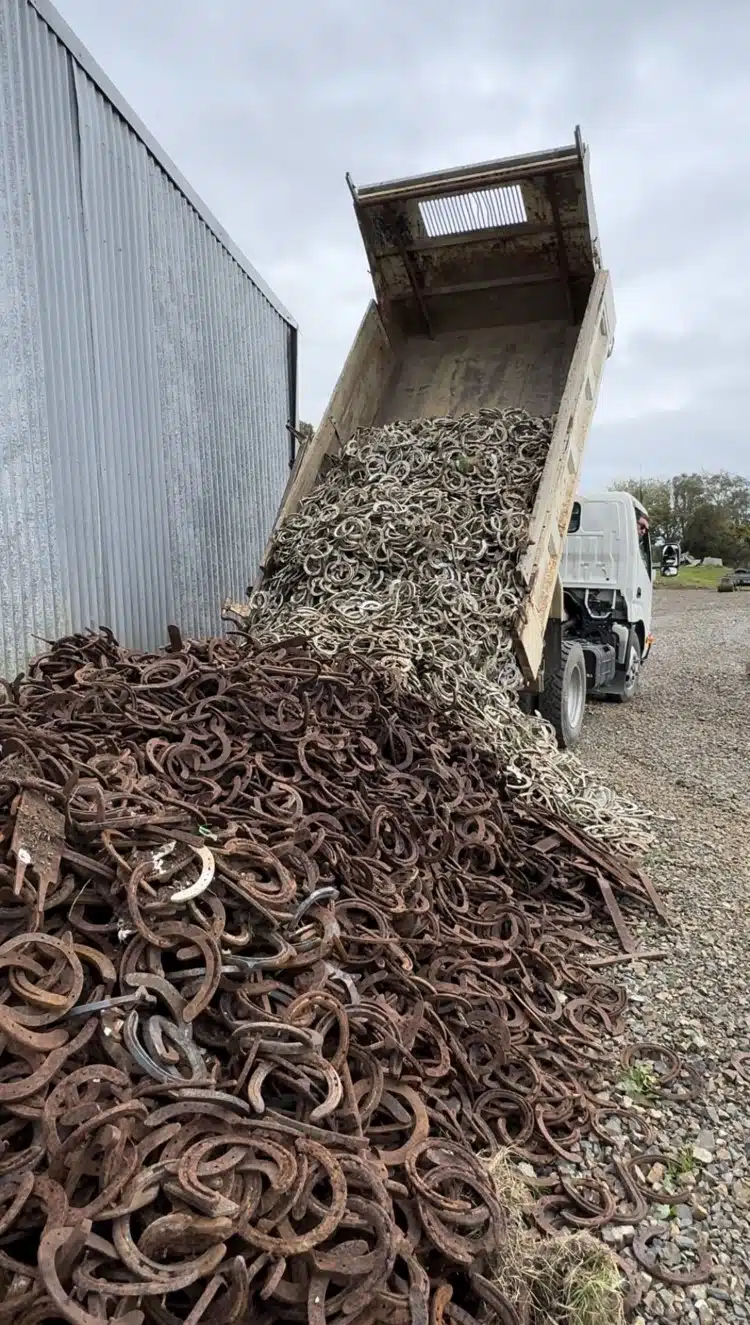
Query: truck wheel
x,y
563,699
629,679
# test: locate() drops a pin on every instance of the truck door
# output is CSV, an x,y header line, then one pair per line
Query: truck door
x,y
593,548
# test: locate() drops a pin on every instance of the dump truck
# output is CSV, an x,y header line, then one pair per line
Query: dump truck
x,y
490,292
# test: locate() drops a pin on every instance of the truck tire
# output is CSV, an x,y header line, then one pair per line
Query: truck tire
x,y
563,699
628,680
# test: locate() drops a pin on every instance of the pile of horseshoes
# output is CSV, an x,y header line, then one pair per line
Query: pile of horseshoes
x,y
294,934
406,552
279,959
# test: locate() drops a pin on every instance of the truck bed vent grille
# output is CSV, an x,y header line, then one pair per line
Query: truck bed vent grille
x,y
486,209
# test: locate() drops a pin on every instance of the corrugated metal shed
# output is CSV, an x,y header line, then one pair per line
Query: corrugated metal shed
x,y
147,374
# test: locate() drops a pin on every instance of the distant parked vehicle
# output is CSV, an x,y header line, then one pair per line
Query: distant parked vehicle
x,y
670,559
742,578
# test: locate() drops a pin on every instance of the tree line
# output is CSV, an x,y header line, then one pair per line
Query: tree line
x,y
708,514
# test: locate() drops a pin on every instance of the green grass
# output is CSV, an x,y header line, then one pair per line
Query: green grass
x,y
692,577
640,1082
571,1279
679,1167
590,1281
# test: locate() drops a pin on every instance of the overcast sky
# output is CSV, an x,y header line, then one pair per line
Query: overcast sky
x,y
265,106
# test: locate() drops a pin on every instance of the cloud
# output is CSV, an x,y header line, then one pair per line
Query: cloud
x,y
265,107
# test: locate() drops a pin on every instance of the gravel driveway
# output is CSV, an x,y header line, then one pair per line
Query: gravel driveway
x,y
684,748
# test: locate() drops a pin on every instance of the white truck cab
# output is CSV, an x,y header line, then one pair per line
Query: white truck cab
x,y
606,564
607,585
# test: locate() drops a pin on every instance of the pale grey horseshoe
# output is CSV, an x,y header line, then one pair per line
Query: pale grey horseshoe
x,y
206,857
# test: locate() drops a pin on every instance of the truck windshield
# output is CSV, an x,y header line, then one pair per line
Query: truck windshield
x,y
575,518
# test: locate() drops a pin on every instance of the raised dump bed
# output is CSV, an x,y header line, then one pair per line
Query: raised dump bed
x,y
489,293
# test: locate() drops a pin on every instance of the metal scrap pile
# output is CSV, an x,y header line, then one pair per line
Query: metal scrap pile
x,y
279,958
407,551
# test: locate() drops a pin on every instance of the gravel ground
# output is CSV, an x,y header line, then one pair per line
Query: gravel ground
x,y
684,748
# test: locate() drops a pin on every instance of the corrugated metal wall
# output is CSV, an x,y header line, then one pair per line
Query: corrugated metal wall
x,y
147,375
